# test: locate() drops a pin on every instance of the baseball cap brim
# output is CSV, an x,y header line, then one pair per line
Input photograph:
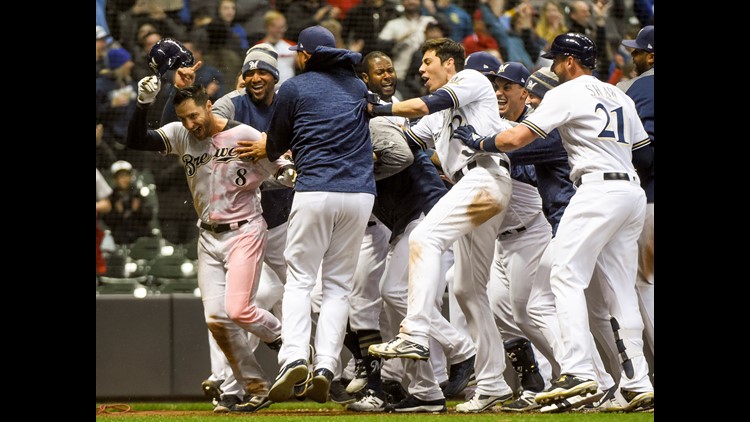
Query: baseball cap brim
x,y
634,44
295,48
548,55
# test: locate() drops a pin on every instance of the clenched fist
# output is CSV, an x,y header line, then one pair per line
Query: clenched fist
x,y
148,89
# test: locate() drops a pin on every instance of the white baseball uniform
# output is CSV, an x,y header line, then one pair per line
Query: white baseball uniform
x,y
602,223
468,218
225,192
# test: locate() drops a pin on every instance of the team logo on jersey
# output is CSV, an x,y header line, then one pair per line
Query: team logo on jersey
x,y
225,155
193,162
531,85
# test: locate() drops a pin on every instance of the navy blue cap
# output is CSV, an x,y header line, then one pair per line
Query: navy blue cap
x,y
514,72
482,62
313,37
644,40
167,54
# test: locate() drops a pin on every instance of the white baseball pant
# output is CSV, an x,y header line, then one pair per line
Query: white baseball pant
x,y
325,228
468,218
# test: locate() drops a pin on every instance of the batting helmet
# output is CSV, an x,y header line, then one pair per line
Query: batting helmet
x,y
167,54
576,45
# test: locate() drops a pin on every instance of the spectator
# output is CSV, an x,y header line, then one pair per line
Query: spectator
x,y
101,49
275,24
304,13
403,36
459,20
512,46
551,22
480,40
580,21
364,22
104,154
115,96
130,215
227,15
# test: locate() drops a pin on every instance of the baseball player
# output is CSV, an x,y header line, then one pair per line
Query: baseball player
x,y
523,236
233,233
408,187
253,107
641,90
320,116
601,225
467,217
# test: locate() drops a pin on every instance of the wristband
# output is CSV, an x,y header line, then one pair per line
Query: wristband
x,y
488,144
382,110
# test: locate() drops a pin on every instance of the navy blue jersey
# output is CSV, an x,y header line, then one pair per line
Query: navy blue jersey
x,y
322,117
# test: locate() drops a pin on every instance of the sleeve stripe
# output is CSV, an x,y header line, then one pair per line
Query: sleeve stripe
x,y
410,135
534,128
642,143
166,140
452,94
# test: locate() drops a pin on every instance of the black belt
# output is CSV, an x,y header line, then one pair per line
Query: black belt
x,y
607,176
513,231
460,174
221,228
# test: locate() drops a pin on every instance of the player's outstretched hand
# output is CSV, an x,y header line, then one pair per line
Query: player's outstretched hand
x,y
467,135
148,89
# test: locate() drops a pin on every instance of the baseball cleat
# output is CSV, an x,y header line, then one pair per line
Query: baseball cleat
x,y
628,401
482,402
414,405
212,390
573,403
321,384
373,401
400,348
252,404
525,403
564,387
460,375
227,403
338,394
291,374
360,378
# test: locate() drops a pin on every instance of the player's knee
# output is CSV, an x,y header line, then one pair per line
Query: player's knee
x,y
462,291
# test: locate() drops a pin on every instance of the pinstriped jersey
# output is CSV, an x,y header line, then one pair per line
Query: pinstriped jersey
x,y
224,187
597,122
474,103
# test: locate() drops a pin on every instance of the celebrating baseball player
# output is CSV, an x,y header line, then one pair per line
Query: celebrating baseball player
x,y
319,116
467,217
227,200
600,227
